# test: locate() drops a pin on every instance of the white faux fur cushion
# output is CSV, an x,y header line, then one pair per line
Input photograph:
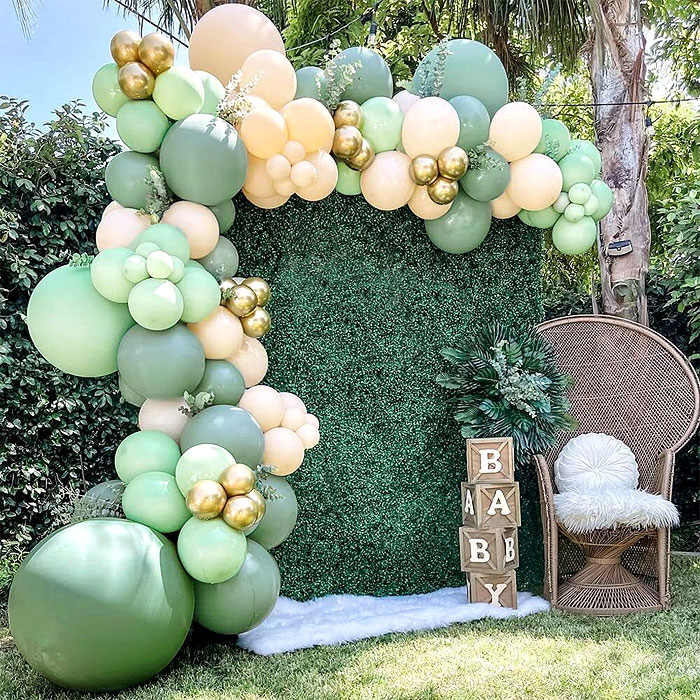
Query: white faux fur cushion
x,y
616,507
595,461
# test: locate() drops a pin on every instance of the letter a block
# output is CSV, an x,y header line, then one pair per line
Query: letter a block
x,y
490,505
496,589
488,551
490,460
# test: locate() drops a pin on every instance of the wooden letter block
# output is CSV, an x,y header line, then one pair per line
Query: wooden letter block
x,y
490,505
496,589
490,460
488,551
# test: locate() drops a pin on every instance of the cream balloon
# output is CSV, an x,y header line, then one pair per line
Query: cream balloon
x,y
430,126
164,415
424,207
326,177
278,167
515,130
386,184
120,227
276,79
257,180
309,122
309,435
405,100
265,405
312,420
112,206
197,222
535,182
220,334
285,188
291,400
250,360
503,207
303,173
294,151
263,131
225,36
284,451
293,418
277,200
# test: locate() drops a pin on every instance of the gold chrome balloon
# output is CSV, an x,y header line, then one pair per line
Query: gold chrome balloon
x,y
347,142
260,287
453,162
443,190
257,324
423,169
156,52
347,113
224,287
206,499
363,159
124,47
256,496
242,300
240,512
136,81
237,480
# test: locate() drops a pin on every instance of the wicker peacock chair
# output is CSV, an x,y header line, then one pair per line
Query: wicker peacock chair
x,y
633,384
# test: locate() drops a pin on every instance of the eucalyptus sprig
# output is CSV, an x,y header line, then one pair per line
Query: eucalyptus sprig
x,y
269,493
80,260
336,77
196,403
158,195
236,103
433,75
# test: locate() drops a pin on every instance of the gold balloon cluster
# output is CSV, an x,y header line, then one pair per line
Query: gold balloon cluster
x,y
140,60
233,496
247,300
348,143
440,174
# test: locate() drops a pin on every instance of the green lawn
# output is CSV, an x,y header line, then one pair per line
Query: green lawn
x,y
543,656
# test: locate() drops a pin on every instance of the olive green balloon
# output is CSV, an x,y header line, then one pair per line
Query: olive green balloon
x,y
223,380
589,149
214,92
605,198
106,90
210,550
555,140
145,451
382,120
168,238
225,214
542,218
200,294
574,238
245,600
73,326
575,168
311,82
101,605
205,461
463,227
154,499
348,180
489,180
142,126
155,304
222,262
126,175
161,364
129,395
107,274
179,92
371,77
474,121
280,514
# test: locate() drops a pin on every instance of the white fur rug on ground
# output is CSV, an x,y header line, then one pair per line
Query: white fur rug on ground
x,y
335,619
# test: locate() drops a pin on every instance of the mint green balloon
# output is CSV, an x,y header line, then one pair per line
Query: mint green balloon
x,y
214,92
543,218
488,181
107,274
474,121
586,148
126,175
574,212
154,499
555,140
605,198
73,326
224,381
371,78
129,395
166,237
382,120
178,270
204,461
179,92
591,205
575,168
348,180
561,203
225,214
145,451
156,304
200,294
106,90
579,193
574,238
311,82
145,249
160,265
222,262
142,126
280,514
210,550
134,268
463,227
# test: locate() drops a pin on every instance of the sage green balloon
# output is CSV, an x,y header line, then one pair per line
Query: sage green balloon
x,y
574,238
199,462
155,500
161,364
73,326
145,451
106,90
100,605
222,262
223,380
126,175
382,120
605,198
489,180
575,168
311,82
591,206
179,92
129,395
168,238
555,140
579,193
463,227
107,274
574,212
348,180
156,304
210,550
245,600
225,214
586,148
474,121
542,218
200,294
280,514
371,78
214,92
142,126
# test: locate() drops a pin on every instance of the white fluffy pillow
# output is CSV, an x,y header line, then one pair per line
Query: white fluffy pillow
x,y
595,461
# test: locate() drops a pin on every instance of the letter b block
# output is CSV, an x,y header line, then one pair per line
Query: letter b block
x,y
496,589
490,505
488,551
490,460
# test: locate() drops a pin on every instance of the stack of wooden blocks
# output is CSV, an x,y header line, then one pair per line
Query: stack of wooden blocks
x,y
488,540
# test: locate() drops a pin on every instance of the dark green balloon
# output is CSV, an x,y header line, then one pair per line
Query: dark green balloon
x,y
229,427
242,602
488,181
310,82
161,364
372,77
223,380
225,214
555,140
474,121
101,605
125,177
280,514
222,262
129,395
463,228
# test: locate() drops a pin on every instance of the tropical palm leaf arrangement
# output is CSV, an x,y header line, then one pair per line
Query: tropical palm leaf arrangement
x,y
505,382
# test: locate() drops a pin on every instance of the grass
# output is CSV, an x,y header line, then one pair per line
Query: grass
x,y
547,656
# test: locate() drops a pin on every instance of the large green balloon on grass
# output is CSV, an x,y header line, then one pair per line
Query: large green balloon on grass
x,y
474,121
223,380
179,92
156,304
280,514
126,178
225,214
382,120
161,364
222,262
200,293
586,148
106,273
574,238
214,92
348,180
242,602
101,605
489,180
73,326
106,90
463,227
203,159
605,197
154,499
575,168
142,126
310,82
146,451
372,77
555,140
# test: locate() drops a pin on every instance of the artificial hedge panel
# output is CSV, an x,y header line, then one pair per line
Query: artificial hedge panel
x,y
362,303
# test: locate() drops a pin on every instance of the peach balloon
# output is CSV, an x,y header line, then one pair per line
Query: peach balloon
x,y
326,177
291,400
265,405
225,36
278,167
309,435
263,131
257,181
285,188
312,420
294,151
164,415
405,100
293,418
277,200
309,122
424,207
303,173
535,182
276,79
430,125
112,206
386,184
284,451
250,360
197,222
120,227
503,207
220,334
515,130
